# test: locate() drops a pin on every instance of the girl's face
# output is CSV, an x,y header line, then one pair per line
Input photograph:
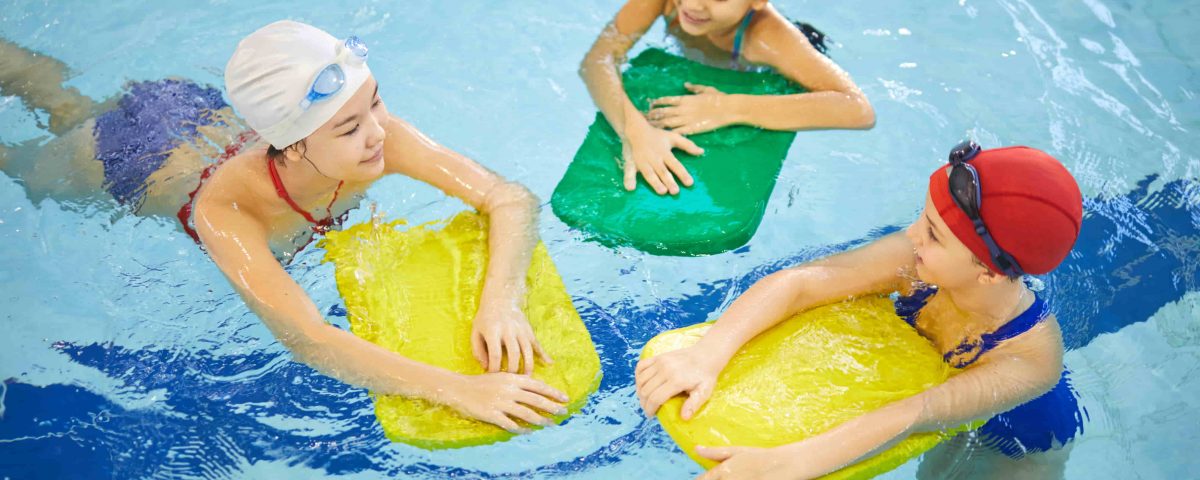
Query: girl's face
x,y
707,17
941,258
349,146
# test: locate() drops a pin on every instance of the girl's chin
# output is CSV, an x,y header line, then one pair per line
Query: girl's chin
x,y
364,173
693,30
372,172
923,273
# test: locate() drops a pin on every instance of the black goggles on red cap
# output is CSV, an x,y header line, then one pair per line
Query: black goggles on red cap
x,y
965,190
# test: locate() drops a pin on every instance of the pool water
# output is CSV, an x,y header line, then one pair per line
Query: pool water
x,y
126,354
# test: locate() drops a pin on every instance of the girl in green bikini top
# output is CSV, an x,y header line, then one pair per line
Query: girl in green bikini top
x,y
751,33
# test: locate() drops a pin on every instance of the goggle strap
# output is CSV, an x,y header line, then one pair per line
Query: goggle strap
x,y
959,156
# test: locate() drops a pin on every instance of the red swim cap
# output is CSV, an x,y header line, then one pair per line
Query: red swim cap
x,y
1031,205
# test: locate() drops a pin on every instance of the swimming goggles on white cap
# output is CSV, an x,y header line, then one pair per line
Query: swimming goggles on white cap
x,y
332,78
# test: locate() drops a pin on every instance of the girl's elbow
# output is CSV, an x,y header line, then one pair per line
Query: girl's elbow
x,y
511,194
864,118
585,66
306,344
595,59
794,276
854,109
797,282
524,196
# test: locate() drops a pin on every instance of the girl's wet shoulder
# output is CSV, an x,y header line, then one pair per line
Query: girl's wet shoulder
x,y
238,181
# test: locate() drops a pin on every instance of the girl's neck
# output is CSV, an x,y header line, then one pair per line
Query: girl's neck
x,y
993,304
724,39
305,184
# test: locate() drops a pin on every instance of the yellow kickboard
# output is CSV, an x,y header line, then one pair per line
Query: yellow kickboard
x,y
416,292
807,375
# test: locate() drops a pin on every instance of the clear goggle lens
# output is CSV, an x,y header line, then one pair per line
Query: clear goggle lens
x,y
332,78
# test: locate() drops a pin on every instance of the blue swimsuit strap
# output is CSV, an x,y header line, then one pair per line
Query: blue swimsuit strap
x,y
737,37
741,33
1015,327
908,306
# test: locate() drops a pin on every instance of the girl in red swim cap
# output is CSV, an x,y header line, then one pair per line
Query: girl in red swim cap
x,y
990,218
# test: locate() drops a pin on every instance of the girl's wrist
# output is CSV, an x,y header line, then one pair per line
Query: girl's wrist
x,y
739,109
449,388
426,381
720,349
635,121
506,299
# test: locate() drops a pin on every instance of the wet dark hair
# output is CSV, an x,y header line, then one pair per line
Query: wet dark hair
x,y
815,37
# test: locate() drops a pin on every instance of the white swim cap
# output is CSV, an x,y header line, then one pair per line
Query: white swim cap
x,y
272,72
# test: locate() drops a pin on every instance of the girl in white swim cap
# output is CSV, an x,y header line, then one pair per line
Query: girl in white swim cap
x,y
320,136
313,100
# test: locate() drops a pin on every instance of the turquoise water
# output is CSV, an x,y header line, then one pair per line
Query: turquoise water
x,y
127,355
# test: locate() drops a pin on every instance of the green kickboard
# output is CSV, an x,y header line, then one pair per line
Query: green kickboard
x,y
733,179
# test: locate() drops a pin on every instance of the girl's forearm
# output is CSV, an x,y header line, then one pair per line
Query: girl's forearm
x,y
601,73
994,385
854,440
297,324
804,111
768,302
288,312
346,357
780,295
512,235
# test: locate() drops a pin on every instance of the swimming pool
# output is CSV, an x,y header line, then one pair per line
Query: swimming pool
x,y
125,353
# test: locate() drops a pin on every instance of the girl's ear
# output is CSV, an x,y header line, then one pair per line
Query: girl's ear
x,y
988,277
758,5
294,152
